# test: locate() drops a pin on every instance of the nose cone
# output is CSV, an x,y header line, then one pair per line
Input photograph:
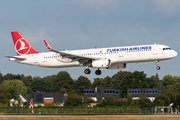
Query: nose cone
x,y
174,53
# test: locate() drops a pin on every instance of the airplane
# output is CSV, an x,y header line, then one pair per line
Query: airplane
x,y
109,58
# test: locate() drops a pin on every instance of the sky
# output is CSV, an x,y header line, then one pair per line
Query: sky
x,y
85,24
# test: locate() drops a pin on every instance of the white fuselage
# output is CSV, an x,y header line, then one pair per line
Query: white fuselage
x,y
117,55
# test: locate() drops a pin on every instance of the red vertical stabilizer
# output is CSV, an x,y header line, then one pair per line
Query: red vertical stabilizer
x,y
20,44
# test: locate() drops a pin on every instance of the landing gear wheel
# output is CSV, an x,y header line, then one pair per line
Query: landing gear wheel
x,y
98,72
158,68
157,64
87,71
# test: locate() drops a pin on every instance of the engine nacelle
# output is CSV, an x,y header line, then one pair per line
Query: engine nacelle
x,y
101,63
117,66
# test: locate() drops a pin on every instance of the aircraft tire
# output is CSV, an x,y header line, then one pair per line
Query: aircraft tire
x,y
87,71
158,68
98,72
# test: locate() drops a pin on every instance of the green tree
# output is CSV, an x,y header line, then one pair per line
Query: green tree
x,y
169,88
5,96
134,80
9,76
118,78
89,100
122,102
39,84
75,91
177,102
1,78
15,87
52,81
176,87
168,80
98,83
63,80
129,100
145,103
170,84
171,96
63,90
64,76
27,80
18,76
73,100
156,80
159,102
107,82
11,89
108,101
164,98
82,82
132,104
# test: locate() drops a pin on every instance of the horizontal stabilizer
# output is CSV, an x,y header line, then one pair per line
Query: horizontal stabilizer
x,y
17,58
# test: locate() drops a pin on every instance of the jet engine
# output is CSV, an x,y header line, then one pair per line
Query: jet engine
x,y
101,63
117,66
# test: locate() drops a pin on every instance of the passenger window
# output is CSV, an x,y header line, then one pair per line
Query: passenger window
x,y
147,91
135,91
138,91
152,91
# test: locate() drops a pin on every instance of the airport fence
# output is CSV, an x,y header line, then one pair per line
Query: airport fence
x,y
79,110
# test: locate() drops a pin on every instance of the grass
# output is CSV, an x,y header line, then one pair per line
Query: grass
x,y
90,118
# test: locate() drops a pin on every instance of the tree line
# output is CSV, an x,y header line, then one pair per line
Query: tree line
x,y
11,85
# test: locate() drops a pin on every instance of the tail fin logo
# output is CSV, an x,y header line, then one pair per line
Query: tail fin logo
x,y
22,47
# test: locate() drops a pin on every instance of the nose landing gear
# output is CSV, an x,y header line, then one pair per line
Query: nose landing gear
x,y
157,63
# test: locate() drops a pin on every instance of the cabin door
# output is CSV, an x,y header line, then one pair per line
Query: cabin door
x,y
155,50
120,53
35,59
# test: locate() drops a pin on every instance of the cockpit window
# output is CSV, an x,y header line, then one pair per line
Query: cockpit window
x,y
166,48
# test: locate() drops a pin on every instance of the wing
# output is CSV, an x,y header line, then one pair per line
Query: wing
x,y
73,57
17,58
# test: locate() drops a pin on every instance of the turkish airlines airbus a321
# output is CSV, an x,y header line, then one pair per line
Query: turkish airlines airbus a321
x,y
109,58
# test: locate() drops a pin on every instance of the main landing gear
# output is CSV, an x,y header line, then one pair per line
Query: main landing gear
x,y
157,63
88,71
98,72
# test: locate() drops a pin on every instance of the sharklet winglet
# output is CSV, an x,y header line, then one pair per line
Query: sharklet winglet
x,y
47,45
